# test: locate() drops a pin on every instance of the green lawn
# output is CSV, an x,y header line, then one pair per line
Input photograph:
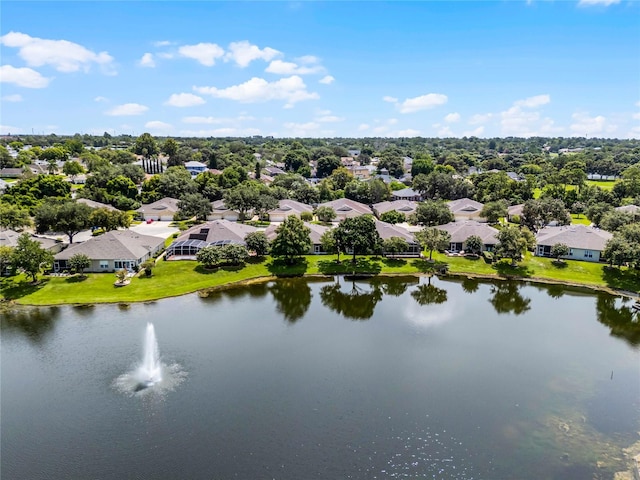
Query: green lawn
x,y
582,220
603,184
181,277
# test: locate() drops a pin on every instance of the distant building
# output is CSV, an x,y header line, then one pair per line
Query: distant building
x,y
466,209
288,207
195,168
164,209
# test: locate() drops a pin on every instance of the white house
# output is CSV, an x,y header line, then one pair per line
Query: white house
x,y
164,209
220,212
466,209
585,243
195,168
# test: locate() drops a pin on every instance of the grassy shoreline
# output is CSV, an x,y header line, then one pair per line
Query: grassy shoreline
x,y
171,279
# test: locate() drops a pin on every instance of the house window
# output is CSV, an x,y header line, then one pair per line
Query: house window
x,y
316,249
104,264
571,252
588,254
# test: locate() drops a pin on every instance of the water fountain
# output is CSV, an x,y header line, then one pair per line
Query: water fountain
x,y
150,371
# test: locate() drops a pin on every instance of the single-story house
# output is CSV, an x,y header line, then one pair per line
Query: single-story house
x,y
217,232
288,207
94,204
585,243
466,209
9,238
406,194
163,209
273,171
112,251
11,172
403,206
630,209
195,168
220,212
316,234
387,230
514,210
346,208
461,231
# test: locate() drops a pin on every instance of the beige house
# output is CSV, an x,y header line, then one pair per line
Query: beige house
x,y
94,204
220,212
288,207
387,231
112,251
466,209
164,209
461,231
346,208
585,243
403,206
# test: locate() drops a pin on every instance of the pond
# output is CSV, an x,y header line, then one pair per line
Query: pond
x,y
304,379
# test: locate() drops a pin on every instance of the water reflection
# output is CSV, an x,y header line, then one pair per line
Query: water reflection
x,y
355,304
428,294
394,286
33,322
470,285
292,297
623,321
507,298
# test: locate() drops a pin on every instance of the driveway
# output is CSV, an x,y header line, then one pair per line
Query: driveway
x,y
155,228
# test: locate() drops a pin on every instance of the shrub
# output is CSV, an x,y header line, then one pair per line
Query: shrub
x,y
516,219
488,256
306,216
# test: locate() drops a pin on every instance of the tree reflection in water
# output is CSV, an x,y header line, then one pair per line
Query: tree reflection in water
x,y
394,286
623,321
429,294
33,322
355,304
292,297
470,285
507,299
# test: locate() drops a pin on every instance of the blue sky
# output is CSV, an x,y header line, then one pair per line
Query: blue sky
x,y
434,69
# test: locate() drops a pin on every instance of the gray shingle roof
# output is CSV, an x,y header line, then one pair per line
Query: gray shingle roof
x,y
316,231
465,205
387,230
115,245
164,206
343,205
94,204
460,231
404,206
574,236
9,238
632,209
288,206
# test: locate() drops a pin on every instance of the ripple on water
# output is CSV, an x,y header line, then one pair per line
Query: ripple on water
x,y
129,383
427,453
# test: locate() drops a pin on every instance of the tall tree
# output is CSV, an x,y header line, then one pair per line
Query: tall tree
x,y
433,212
13,217
146,146
511,244
433,239
292,240
79,262
358,234
194,205
30,257
68,217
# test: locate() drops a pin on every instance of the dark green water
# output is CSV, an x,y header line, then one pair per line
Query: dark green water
x,y
328,380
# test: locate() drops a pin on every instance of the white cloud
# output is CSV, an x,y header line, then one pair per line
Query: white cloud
x,y
12,98
583,124
392,121
205,53
327,80
409,132
23,77
127,109
638,103
184,100
100,99
243,53
476,132
423,102
389,99
9,129
166,55
533,102
636,116
443,131
158,126
479,118
289,68
62,55
217,120
520,121
162,43
452,117
147,60
308,59
329,119
290,89
605,3
222,132
363,127
302,129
